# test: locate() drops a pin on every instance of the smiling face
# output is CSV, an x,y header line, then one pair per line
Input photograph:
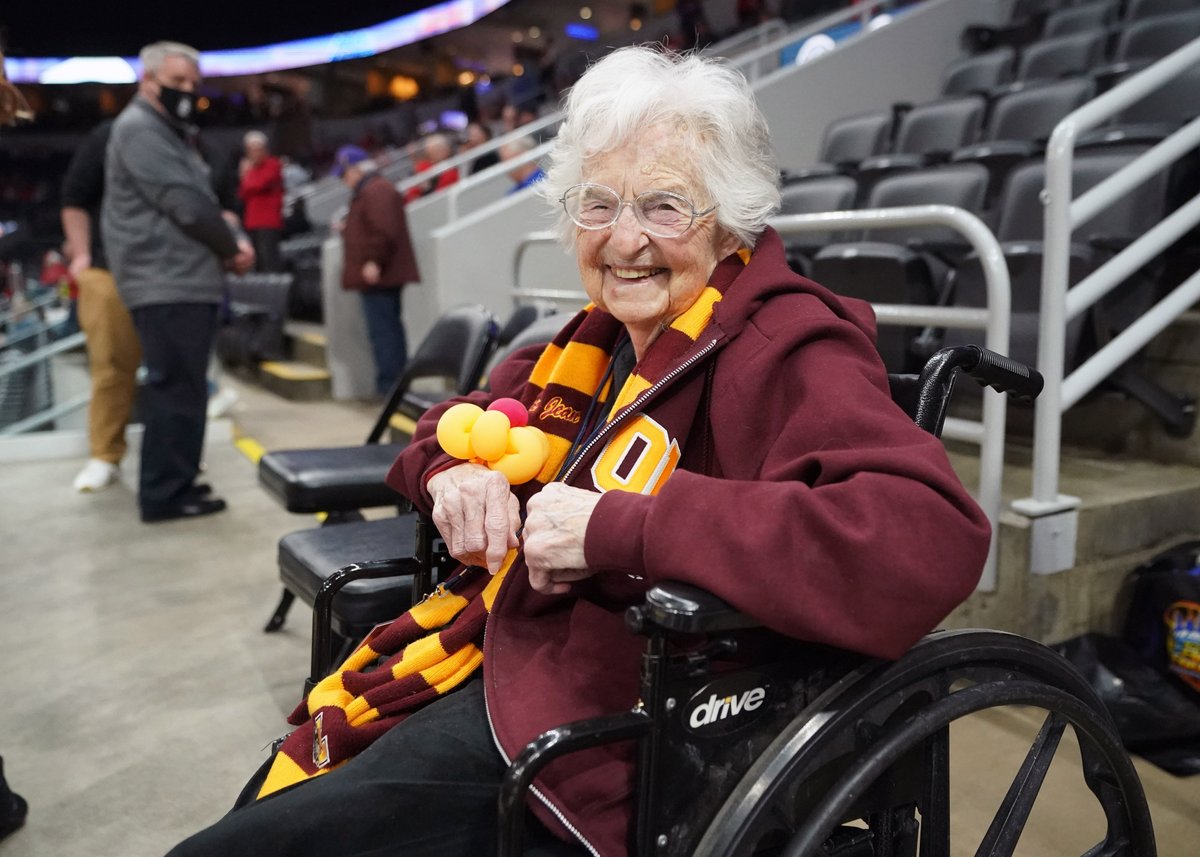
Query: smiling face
x,y
642,280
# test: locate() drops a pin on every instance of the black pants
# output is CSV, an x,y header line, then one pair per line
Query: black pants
x,y
427,788
266,250
173,400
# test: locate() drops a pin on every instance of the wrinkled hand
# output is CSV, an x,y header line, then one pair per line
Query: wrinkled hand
x,y
555,526
243,261
80,262
476,513
370,273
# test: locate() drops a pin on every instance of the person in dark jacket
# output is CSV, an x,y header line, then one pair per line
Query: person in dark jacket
x,y
168,241
711,417
378,259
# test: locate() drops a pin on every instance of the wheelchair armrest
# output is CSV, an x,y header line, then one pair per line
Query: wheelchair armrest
x,y
544,749
688,609
322,635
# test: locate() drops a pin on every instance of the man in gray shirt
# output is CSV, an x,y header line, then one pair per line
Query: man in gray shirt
x,y
168,242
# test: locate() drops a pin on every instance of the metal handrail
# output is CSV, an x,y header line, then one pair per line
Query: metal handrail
x,y
38,303
995,321
34,357
458,188
1063,214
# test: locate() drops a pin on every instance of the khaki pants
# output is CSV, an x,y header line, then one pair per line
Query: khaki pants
x,y
114,354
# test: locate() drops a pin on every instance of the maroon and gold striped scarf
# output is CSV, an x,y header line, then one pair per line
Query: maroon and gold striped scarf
x,y
436,645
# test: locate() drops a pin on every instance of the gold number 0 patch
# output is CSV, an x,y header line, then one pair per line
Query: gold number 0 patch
x,y
639,459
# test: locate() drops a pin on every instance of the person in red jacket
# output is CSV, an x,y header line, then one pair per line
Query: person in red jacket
x,y
435,149
712,418
261,190
378,259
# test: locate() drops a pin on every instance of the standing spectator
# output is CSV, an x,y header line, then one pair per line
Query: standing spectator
x,y
261,192
436,149
112,344
378,259
477,135
166,239
526,173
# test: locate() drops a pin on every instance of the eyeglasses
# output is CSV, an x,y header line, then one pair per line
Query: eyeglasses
x,y
660,212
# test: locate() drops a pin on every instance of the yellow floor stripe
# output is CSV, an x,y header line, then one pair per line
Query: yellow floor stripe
x,y
293,371
400,422
250,448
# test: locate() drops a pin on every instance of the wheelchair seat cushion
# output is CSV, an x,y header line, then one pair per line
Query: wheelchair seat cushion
x,y
333,479
308,557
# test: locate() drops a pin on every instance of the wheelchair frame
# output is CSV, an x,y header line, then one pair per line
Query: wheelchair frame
x,y
823,736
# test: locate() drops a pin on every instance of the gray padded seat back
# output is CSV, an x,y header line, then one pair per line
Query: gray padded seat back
x,y
1031,114
1076,19
851,139
941,126
1135,10
1152,38
815,195
1021,211
1071,54
978,73
1175,102
959,185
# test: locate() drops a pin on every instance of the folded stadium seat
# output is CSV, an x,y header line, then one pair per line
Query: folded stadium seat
x,y
1019,230
1020,124
308,557
927,134
847,141
1169,106
1076,19
252,330
814,196
979,73
537,332
1140,42
905,265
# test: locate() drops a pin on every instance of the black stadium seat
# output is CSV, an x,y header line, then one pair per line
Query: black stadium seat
x,y
1062,56
1138,9
847,141
1076,19
928,133
814,196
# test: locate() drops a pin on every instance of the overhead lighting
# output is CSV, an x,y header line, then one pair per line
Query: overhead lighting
x,y
535,32
403,88
518,37
585,12
635,24
466,78
518,69
203,103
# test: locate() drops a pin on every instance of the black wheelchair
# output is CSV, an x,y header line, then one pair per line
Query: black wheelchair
x,y
816,751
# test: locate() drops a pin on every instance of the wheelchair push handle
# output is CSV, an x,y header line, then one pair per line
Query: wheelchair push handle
x,y
990,369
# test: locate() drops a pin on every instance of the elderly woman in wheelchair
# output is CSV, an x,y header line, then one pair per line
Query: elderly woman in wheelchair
x,y
713,419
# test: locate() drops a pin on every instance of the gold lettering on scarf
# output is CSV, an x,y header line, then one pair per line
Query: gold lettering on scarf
x,y
556,409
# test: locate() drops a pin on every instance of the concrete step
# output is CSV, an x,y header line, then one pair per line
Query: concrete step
x,y
1131,509
308,343
294,380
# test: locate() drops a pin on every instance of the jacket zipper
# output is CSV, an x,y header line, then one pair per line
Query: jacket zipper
x,y
640,400
583,453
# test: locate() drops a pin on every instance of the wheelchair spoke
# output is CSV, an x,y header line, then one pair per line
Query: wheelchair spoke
x,y
1009,822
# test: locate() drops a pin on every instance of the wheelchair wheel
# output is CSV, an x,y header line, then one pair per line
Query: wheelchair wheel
x,y
865,770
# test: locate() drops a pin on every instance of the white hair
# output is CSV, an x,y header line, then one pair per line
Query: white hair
x,y
708,104
152,56
255,138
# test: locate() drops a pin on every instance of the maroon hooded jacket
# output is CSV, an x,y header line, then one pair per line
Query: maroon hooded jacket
x,y
803,496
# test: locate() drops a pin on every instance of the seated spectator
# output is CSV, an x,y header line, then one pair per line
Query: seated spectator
x,y
526,173
712,418
478,134
436,149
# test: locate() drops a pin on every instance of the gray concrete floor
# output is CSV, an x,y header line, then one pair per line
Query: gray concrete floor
x,y
139,691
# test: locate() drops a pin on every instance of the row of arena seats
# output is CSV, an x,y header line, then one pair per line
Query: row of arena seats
x,y
981,148
454,358
1031,20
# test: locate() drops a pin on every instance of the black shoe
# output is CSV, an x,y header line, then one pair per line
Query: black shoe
x,y
12,813
190,507
199,489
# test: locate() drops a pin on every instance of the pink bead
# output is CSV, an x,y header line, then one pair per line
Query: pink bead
x,y
518,414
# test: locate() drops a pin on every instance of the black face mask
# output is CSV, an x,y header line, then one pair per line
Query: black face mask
x,y
178,104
